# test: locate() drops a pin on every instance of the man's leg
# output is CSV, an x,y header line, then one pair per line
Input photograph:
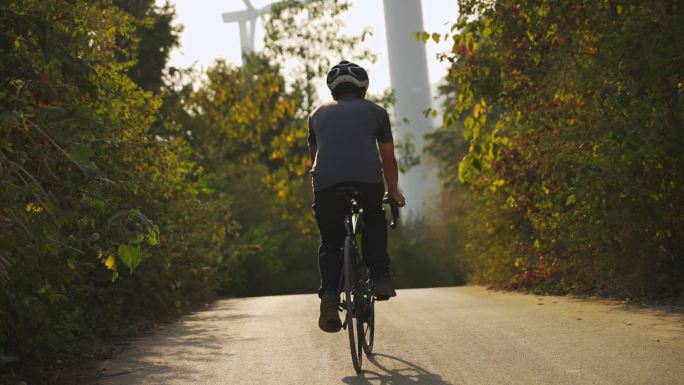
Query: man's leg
x,y
374,242
330,218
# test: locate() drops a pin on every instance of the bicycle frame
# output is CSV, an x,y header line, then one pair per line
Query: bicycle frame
x,y
354,218
358,302
353,226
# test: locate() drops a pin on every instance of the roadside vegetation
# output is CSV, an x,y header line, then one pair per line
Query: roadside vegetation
x,y
563,140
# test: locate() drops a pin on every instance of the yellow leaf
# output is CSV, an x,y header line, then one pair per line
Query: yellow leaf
x,y
480,108
33,208
71,263
110,262
45,288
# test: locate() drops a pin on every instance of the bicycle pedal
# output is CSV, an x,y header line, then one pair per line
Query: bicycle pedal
x,y
382,298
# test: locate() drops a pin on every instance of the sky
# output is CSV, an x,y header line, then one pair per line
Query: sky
x,y
206,37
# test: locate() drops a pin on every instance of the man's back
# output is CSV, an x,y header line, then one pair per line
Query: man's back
x,y
345,133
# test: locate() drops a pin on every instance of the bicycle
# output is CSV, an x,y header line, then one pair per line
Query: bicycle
x,y
358,303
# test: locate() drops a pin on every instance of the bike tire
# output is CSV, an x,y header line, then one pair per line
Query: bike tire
x,y
354,345
366,328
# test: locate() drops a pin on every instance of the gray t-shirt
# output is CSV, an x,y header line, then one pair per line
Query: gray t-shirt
x,y
346,132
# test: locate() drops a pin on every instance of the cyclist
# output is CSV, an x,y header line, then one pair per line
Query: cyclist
x,y
342,139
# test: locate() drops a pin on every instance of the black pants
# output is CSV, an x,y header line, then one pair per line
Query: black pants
x,y
330,212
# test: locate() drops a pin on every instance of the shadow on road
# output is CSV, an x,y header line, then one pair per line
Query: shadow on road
x,y
176,352
394,371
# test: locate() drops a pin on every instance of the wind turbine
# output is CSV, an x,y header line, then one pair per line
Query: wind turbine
x,y
408,75
246,19
410,81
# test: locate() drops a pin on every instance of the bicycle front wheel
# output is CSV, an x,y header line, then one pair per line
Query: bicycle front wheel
x,y
351,320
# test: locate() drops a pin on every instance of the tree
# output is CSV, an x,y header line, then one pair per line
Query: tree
x,y
246,133
309,35
572,113
153,41
98,212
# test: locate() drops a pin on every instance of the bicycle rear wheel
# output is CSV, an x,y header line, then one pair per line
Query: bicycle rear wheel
x,y
366,324
351,320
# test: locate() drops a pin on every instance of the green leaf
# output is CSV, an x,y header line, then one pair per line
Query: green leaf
x,y
462,170
81,153
436,37
468,127
136,238
422,36
130,255
153,236
571,199
97,204
476,130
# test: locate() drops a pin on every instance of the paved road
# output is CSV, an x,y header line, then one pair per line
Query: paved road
x,y
445,336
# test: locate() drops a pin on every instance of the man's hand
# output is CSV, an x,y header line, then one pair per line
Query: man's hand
x,y
398,198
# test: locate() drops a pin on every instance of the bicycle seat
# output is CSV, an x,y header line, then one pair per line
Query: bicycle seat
x,y
347,192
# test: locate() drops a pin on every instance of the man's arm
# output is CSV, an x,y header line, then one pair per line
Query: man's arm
x,y
391,171
313,149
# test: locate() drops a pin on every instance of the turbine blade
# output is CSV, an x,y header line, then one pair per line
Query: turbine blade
x,y
231,17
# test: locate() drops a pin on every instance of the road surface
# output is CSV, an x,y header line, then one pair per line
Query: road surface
x,y
444,336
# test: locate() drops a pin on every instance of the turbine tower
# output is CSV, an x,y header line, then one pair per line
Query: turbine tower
x,y
246,19
409,77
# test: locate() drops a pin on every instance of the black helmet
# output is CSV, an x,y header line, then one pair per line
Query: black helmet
x,y
347,72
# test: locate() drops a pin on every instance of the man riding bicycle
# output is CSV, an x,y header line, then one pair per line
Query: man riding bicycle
x,y
351,144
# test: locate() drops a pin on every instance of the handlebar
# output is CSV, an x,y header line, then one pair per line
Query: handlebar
x,y
393,208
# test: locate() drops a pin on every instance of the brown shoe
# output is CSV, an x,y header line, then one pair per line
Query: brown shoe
x,y
383,288
329,321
